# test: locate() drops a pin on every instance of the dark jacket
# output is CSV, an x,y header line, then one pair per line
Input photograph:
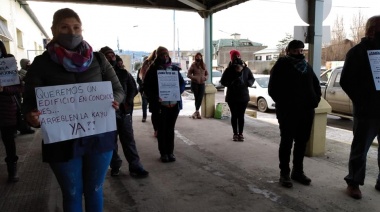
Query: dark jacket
x,y
45,72
291,89
151,86
140,82
129,87
8,105
237,83
357,81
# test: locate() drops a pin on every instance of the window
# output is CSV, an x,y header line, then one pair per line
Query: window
x,y
19,39
337,81
269,57
257,57
4,33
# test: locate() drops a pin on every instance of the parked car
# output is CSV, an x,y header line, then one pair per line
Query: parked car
x,y
333,93
258,94
187,80
216,75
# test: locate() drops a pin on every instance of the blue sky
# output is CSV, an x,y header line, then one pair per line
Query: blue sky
x,y
262,21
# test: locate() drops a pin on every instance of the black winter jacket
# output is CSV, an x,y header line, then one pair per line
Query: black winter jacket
x,y
237,83
129,87
45,72
357,81
291,89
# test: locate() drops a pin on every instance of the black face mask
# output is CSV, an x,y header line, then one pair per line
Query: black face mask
x,y
297,56
198,60
112,62
237,61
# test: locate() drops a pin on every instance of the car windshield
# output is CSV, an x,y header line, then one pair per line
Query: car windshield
x,y
263,81
216,74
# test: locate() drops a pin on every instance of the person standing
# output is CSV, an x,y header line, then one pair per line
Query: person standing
x,y
22,125
359,81
124,120
140,81
167,111
80,164
198,75
8,121
295,89
237,78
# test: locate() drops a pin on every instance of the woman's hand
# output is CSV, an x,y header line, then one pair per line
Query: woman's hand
x,y
32,118
115,105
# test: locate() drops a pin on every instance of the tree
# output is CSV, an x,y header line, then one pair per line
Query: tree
x,y
338,48
281,46
358,27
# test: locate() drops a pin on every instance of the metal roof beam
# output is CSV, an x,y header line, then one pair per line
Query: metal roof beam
x,y
194,4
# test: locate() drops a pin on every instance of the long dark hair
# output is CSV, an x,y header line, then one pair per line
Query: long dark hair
x,y
202,64
3,49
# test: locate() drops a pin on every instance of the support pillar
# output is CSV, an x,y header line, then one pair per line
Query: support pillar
x,y
208,102
317,141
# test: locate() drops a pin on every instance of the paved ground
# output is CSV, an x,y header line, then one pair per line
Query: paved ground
x,y
212,173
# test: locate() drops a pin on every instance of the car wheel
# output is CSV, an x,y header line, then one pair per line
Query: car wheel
x,y
262,105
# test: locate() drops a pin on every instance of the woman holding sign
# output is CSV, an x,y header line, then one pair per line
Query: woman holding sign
x,y
164,95
80,164
8,113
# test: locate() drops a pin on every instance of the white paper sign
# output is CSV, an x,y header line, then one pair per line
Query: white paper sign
x,y
374,61
75,110
8,72
168,85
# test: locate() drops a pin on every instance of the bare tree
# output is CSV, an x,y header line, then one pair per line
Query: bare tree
x,y
337,50
283,43
358,27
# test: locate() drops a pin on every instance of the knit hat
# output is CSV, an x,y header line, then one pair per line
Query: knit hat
x,y
61,14
23,63
105,50
234,53
295,44
161,50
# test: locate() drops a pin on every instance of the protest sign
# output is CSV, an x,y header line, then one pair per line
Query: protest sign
x,y
75,110
8,72
168,85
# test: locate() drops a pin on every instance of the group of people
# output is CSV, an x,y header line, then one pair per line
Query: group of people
x,y
80,164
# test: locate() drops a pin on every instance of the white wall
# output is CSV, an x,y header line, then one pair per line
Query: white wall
x,y
17,18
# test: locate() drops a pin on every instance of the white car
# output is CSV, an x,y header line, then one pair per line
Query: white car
x,y
258,93
216,75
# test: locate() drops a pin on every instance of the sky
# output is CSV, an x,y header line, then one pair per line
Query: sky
x,y
137,29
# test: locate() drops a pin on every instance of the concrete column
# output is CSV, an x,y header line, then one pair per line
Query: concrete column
x,y
208,102
317,141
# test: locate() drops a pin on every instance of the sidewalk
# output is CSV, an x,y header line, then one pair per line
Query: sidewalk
x,y
212,173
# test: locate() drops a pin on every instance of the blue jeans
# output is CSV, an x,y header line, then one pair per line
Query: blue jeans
x,y
365,131
127,140
82,175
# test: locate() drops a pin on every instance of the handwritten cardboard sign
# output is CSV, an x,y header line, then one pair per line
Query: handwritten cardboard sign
x,y
168,85
8,72
75,110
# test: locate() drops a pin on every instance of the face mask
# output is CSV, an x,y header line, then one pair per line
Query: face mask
x,y
238,61
297,56
112,62
198,60
69,41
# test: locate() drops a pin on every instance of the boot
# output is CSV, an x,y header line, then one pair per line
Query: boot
x,y
12,172
194,116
